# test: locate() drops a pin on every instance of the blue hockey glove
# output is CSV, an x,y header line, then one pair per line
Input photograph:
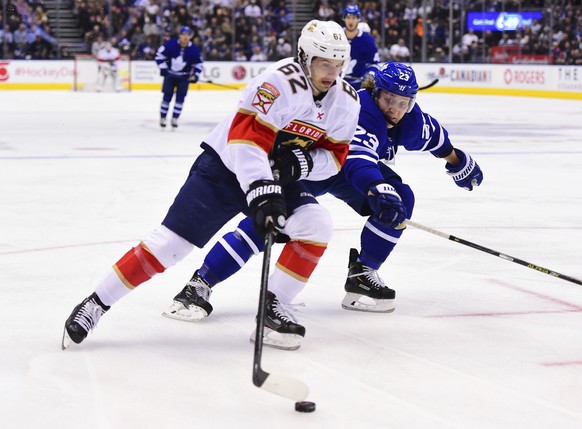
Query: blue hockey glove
x,y
267,205
386,205
291,163
163,72
194,78
467,174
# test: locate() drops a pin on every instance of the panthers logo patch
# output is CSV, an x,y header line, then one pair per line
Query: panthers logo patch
x,y
265,97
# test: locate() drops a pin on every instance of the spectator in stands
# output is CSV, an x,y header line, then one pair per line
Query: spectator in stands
x,y
399,52
283,49
252,9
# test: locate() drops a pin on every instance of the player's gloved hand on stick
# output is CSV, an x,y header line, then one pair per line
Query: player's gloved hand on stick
x,y
163,72
386,205
194,78
291,163
267,205
467,174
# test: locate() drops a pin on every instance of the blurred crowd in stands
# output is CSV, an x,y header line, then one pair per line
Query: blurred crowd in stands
x,y
261,30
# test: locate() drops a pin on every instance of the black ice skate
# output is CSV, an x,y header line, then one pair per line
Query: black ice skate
x,y
281,328
83,319
163,122
365,290
191,305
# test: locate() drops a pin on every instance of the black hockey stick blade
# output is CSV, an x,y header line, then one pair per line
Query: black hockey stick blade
x,y
430,85
273,383
495,253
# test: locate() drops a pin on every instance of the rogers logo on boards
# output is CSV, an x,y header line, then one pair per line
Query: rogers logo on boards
x,y
4,76
524,77
239,72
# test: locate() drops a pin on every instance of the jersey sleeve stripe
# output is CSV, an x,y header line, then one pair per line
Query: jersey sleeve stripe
x,y
248,128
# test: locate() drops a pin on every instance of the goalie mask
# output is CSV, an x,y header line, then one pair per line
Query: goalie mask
x,y
398,79
323,39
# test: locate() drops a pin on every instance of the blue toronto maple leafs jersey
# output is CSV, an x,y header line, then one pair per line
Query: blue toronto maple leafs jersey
x,y
363,54
373,141
179,61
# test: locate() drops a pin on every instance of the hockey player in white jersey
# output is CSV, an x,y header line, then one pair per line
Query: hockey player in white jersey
x,y
299,107
108,59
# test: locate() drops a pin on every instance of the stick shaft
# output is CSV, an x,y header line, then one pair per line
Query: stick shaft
x,y
495,253
430,85
259,376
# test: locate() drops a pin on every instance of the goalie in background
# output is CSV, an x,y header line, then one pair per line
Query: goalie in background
x,y
180,65
108,59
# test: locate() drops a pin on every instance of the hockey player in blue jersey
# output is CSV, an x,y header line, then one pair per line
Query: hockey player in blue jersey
x,y
389,118
364,53
180,64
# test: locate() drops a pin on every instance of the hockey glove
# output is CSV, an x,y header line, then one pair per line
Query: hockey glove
x,y
467,174
291,163
193,78
267,205
163,72
386,205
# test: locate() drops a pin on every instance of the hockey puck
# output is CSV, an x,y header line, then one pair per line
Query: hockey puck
x,y
305,406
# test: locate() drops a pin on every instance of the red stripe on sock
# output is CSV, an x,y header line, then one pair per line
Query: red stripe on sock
x,y
137,266
300,259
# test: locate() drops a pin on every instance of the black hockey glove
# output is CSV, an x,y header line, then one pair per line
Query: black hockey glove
x,y
163,72
267,205
291,163
386,205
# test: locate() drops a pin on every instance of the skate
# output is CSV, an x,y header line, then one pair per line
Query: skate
x,y
365,290
174,123
281,328
83,319
163,122
191,305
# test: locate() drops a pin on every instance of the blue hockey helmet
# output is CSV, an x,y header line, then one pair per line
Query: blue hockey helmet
x,y
352,9
186,30
397,78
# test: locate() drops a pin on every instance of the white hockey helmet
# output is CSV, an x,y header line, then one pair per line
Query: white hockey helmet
x,y
324,39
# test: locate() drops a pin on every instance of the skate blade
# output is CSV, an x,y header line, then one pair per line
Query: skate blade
x,y
357,302
187,314
279,341
66,341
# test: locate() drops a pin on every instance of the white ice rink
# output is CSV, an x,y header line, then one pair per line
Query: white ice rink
x,y
475,341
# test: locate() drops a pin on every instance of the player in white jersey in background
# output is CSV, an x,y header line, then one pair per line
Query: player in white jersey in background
x,y
108,59
298,109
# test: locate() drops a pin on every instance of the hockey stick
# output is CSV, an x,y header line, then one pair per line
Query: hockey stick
x,y
220,84
274,383
494,253
430,85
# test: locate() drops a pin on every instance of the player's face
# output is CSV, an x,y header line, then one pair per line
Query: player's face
x,y
351,22
324,73
393,106
184,39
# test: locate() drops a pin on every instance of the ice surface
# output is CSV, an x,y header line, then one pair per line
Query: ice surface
x,y
475,341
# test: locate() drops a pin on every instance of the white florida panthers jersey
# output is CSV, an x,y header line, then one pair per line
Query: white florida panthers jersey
x,y
278,108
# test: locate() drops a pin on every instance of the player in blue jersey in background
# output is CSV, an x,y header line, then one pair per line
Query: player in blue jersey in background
x,y
389,118
364,54
180,64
